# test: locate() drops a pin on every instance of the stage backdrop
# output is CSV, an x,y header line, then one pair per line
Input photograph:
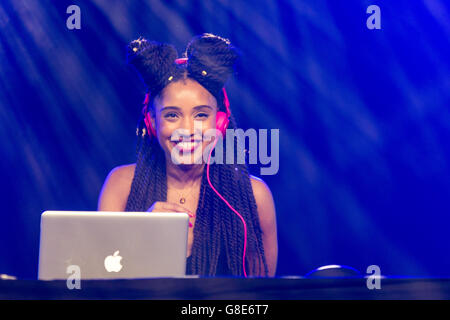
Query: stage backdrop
x,y
363,118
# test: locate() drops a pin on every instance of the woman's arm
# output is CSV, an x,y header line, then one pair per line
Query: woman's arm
x,y
268,222
115,190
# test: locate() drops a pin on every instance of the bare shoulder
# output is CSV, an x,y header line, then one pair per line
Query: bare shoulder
x,y
116,188
261,190
268,222
121,176
125,171
264,200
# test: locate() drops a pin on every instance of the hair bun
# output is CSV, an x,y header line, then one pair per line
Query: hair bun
x,y
154,61
211,60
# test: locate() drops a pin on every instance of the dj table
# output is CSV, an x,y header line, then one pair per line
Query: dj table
x,y
293,288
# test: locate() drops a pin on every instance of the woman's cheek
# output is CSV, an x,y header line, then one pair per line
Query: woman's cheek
x,y
164,133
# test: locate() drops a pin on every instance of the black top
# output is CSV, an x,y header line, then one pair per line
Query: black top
x,y
222,266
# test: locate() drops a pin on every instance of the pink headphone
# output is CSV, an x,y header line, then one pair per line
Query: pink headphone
x,y
222,121
222,118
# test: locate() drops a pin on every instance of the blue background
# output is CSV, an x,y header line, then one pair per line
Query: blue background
x,y
363,114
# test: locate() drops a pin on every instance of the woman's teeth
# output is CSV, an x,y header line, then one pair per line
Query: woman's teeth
x,y
187,145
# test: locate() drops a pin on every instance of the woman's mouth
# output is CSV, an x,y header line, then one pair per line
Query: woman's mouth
x,y
186,146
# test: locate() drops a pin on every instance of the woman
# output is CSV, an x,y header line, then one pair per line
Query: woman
x,y
183,93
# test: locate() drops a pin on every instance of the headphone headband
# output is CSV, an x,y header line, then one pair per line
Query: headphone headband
x,y
226,102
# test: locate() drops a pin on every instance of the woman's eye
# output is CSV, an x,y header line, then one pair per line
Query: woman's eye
x,y
170,115
203,115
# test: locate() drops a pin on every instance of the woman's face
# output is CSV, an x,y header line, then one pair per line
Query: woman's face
x,y
182,114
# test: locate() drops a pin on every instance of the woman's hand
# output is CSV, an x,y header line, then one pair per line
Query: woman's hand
x,y
160,206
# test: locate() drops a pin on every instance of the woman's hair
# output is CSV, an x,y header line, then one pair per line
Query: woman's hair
x,y
211,61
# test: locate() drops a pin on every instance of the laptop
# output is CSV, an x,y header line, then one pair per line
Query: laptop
x,y
112,245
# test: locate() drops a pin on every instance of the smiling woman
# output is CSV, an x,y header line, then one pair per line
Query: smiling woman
x,y
175,115
232,214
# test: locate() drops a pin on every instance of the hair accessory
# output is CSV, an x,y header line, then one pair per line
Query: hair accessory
x,y
181,60
210,35
170,78
151,131
204,73
137,44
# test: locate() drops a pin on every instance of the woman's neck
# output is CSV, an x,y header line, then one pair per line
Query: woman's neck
x,y
181,176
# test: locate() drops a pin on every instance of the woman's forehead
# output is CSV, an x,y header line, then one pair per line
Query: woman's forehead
x,y
186,93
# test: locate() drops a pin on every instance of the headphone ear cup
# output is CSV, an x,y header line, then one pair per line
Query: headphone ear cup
x,y
151,131
222,122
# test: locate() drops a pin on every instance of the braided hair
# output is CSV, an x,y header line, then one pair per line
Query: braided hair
x,y
211,61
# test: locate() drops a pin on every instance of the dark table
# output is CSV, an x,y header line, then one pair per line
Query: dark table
x,y
230,289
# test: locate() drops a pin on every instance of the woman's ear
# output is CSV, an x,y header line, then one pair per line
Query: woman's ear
x,y
152,120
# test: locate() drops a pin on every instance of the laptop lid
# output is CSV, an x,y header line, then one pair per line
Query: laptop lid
x,y
112,245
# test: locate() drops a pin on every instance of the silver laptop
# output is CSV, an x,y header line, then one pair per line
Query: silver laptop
x,y
112,245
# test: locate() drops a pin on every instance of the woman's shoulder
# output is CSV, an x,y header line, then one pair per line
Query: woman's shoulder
x,y
264,200
122,175
124,171
116,188
260,188
268,222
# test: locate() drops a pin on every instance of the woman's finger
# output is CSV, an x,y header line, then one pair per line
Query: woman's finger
x,y
170,206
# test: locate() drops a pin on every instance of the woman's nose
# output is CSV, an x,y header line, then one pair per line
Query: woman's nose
x,y
186,124
192,127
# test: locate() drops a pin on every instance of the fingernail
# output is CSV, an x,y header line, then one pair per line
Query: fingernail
x,y
190,225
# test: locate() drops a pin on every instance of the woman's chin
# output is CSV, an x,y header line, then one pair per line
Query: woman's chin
x,y
187,160
188,157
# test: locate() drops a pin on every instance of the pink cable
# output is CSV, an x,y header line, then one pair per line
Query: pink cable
x,y
242,219
227,105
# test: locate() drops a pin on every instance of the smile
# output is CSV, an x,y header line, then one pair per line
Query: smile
x,y
186,146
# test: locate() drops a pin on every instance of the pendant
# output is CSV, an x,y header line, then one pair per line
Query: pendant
x,y
182,200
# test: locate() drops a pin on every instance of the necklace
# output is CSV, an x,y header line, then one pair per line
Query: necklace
x,y
183,198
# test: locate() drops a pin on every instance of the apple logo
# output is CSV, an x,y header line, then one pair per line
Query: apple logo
x,y
112,263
